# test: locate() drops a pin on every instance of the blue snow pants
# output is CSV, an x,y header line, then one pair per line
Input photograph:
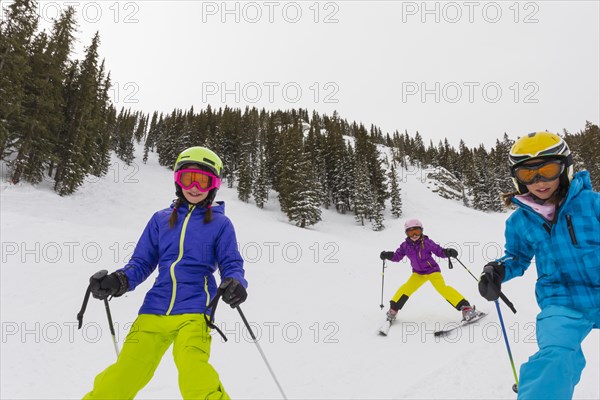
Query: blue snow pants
x,y
555,369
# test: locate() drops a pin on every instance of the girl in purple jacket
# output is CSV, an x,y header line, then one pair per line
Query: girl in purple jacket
x,y
419,249
187,243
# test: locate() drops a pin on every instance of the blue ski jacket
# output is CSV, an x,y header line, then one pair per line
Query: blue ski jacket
x,y
187,256
567,250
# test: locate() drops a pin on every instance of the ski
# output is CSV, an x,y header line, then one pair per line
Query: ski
x,y
443,332
385,327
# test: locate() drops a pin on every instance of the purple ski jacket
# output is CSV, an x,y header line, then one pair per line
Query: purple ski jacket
x,y
420,255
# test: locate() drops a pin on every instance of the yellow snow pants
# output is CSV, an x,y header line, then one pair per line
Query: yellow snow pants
x,y
437,280
150,336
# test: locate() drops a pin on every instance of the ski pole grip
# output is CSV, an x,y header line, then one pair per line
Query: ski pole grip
x,y
508,303
86,298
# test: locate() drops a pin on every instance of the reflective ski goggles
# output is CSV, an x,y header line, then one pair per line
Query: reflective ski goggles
x,y
203,180
415,230
545,171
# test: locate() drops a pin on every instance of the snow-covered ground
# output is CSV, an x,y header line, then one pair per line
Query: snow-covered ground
x,y
313,300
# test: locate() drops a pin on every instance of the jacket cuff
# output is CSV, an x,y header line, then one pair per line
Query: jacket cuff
x,y
124,287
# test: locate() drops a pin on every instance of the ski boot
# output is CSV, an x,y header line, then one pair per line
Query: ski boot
x,y
468,313
391,315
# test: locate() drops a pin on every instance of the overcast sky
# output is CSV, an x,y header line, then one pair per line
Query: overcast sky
x,y
466,69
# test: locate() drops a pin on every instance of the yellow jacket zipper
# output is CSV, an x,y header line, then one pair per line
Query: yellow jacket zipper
x,y
179,257
206,291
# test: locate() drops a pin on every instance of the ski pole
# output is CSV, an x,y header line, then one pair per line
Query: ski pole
x,y
81,312
382,283
262,354
515,387
511,306
502,296
111,326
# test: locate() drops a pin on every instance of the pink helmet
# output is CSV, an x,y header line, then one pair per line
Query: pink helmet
x,y
413,222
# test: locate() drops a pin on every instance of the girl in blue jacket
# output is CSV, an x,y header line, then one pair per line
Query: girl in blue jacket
x,y
558,221
187,242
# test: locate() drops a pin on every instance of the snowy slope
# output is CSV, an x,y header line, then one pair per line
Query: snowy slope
x,y
314,298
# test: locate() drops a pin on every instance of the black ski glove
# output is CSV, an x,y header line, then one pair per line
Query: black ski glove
x,y
451,252
491,279
386,255
103,285
234,292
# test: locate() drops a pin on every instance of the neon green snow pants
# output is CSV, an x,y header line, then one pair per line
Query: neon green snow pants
x,y
150,336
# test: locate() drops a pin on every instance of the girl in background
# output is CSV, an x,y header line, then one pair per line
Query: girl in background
x,y
419,249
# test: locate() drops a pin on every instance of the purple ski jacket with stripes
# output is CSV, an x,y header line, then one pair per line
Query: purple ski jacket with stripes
x,y
420,254
187,256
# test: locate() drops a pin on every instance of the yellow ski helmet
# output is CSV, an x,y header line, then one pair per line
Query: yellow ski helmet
x,y
540,145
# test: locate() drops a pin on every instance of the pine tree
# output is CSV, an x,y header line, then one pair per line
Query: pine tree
x,y
496,169
31,138
16,35
418,150
247,145
102,124
484,185
34,135
587,151
362,194
377,217
58,51
273,148
345,183
124,135
245,178
168,143
260,189
78,137
366,151
315,149
299,191
140,131
465,164
501,170
335,165
151,137
229,143
395,193
431,156
305,209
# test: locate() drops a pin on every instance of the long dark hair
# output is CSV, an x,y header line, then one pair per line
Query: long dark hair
x,y
208,216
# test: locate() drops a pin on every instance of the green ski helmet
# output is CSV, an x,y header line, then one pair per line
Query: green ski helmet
x,y
205,158
202,156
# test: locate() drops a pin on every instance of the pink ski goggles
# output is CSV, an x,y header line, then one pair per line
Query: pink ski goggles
x,y
203,180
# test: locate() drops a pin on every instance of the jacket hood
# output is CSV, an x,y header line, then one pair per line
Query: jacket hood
x,y
581,181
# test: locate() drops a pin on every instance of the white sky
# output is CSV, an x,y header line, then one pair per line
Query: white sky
x,y
465,69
